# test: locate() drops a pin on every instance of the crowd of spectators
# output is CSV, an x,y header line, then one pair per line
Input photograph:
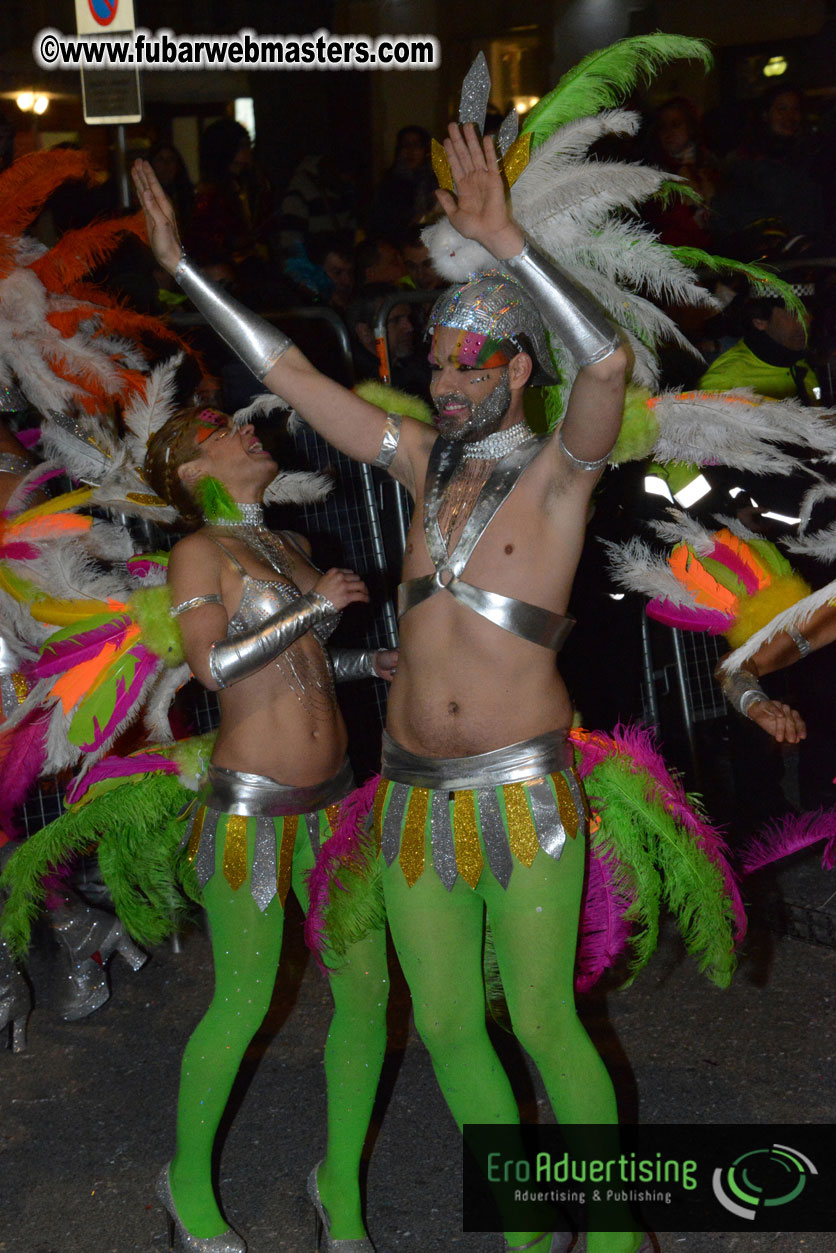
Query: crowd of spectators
x,y
754,190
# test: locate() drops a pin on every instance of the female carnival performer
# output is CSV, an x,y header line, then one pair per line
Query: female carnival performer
x,y
255,615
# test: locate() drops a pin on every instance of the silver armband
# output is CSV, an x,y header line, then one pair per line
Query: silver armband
x,y
801,642
389,444
237,658
565,308
353,663
578,461
256,341
742,690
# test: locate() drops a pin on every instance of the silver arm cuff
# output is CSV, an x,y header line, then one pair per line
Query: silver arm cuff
x,y
237,658
801,642
565,308
257,343
389,444
353,663
579,461
742,690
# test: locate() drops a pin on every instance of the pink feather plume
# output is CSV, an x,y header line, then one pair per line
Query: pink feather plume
x,y
790,835
55,658
22,755
338,851
120,768
729,558
126,696
688,619
603,933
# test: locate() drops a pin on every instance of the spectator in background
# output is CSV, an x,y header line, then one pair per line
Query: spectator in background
x,y
320,197
771,179
228,203
407,191
378,261
170,169
769,357
419,265
325,270
674,144
410,370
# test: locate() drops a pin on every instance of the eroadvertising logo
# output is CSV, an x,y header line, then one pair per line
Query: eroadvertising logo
x,y
652,1177
762,1177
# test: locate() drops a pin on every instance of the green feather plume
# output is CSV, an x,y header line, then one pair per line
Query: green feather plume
x,y
137,828
215,501
151,607
618,794
391,400
605,79
639,428
665,865
356,907
763,280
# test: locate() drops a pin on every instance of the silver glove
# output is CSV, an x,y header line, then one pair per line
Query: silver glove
x,y
565,308
256,341
236,659
353,663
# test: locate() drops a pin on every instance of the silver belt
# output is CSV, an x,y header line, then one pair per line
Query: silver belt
x,y
528,759
256,795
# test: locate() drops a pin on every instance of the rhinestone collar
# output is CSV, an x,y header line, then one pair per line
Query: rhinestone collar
x,y
251,515
496,445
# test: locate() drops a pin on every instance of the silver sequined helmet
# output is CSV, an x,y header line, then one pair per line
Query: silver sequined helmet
x,y
493,305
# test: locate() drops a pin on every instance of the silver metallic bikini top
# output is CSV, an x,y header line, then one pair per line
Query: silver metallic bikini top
x,y
529,622
261,598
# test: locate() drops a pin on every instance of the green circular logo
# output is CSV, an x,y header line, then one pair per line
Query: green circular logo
x,y
762,1178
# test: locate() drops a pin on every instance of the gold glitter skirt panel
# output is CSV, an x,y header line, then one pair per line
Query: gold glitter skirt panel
x,y
469,831
255,848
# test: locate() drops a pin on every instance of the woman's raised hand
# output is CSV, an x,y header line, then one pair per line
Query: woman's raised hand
x,y
342,587
160,221
478,210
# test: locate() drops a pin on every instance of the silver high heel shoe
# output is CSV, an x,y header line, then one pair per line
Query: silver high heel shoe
x,y
82,931
179,1240
15,1000
323,1225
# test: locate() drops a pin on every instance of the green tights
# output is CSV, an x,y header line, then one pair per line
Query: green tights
x,y
246,945
438,936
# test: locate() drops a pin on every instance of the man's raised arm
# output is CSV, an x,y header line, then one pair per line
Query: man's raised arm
x,y
352,425
479,211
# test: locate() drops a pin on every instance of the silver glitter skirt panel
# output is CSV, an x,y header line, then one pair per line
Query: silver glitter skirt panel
x,y
489,811
246,825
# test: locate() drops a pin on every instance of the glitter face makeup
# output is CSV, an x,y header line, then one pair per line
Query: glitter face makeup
x,y
472,421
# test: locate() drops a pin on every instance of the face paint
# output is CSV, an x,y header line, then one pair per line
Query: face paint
x,y
209,422
480,419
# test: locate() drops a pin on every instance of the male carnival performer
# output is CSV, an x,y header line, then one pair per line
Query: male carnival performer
x,y
481,808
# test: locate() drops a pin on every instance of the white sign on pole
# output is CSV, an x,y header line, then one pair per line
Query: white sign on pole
x,y
109,95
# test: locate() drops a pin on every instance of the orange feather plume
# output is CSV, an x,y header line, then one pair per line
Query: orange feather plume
x,y
694,576
26,186
80,251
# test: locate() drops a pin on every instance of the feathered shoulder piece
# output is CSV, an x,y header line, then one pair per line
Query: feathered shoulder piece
x,y
727,582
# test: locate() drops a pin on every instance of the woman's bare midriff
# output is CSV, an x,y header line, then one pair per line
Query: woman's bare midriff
x,y
267,729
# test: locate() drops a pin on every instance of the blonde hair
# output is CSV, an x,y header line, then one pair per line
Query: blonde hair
x,y
171,447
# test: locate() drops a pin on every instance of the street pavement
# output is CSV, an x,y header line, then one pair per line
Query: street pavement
x,y
88,1109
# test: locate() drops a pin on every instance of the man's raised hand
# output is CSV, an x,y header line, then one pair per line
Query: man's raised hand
x,y
160,221
478,210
